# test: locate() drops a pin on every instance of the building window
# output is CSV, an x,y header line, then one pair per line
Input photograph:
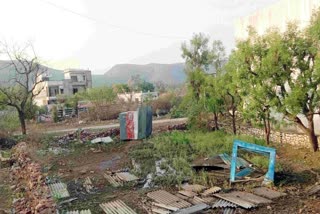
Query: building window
x,y
75,90
84,78
61,90
53,92
74,78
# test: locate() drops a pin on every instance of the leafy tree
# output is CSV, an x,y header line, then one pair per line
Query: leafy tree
x,y
136,83
19,91
121,88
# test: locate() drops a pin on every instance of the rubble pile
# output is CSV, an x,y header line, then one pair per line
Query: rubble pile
x,y
29,184
85,136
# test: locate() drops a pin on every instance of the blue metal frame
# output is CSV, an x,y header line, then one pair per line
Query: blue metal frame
x,y
271,152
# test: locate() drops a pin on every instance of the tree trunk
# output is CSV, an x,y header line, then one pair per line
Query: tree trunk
x,y
22,122
215,117
313,139
234,122
266,123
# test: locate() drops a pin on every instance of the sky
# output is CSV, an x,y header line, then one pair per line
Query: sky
x,y
97,34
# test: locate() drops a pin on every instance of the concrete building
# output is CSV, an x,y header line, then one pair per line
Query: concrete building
x,y
277,15
74,80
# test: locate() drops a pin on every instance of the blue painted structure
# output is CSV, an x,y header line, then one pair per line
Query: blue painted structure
x,y
268,151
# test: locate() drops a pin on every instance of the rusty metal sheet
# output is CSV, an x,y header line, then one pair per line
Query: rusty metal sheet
x,y
193,187
268,193
252,198
166,198
206,200
59,190
79,212
236,200
189,194
224,204
111,180
211,191
126,176
117,207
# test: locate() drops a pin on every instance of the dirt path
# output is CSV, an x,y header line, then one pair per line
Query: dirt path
x,y
115,125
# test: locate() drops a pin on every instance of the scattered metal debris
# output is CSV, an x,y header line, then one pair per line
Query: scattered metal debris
x,y
236,200
187,193
193,187
79,212
224,204
313,189
194,209
117,207
87,184
211,191
229,211
251,197
166,198
59,190
268,193
111,180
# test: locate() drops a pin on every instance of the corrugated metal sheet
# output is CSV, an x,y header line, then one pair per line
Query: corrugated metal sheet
x,y
187,193
126,176
240,161
223,204
236,200
79,212
59,190
87,184
193,187
229,211
167,198
206,200
111,180
194,209
251,197
268,193
117,207
211,191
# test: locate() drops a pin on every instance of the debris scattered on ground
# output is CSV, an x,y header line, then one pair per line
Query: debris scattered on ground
x,y
88,185
193,209
168,199
102,140
210,191
116,207
85,136
268,193
313,189
224,204
193,187
119,178
28,178
59,190
5,156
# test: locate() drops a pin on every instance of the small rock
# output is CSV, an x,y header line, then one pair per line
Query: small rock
x,y
269,207
92,172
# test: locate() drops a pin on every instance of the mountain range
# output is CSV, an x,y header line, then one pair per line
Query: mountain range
x,y
170,74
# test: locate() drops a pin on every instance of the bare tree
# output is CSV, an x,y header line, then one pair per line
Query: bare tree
x,y
24,81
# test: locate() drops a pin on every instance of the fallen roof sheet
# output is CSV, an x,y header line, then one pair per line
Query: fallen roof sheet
x,y
111,180
224,204
211,191
165,206
79,212
313,189
187,193
160,210
87,184
193,187
268,193
126,176
240,161
236,200
117,207
251,197
206,200
167,198
194,209
59,190
229,211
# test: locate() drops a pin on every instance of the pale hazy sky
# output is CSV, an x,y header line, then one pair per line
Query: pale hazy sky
x,y
98,34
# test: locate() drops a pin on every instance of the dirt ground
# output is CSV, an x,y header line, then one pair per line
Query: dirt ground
x,y
94,160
